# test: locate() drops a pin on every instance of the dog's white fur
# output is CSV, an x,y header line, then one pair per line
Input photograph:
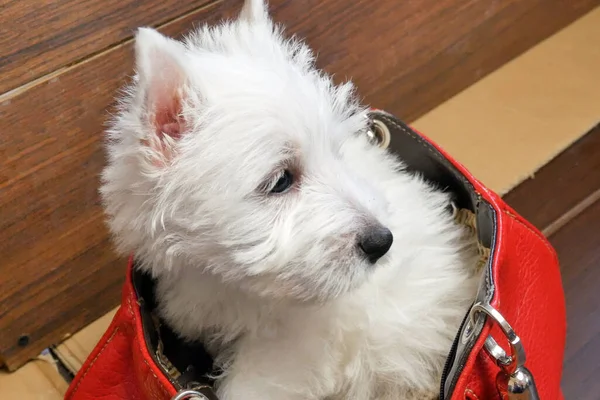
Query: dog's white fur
x,y
274,283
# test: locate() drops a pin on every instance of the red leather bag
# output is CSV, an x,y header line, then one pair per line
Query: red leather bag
x,y
510,345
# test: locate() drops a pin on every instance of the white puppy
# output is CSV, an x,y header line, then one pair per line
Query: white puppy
x,y
306,259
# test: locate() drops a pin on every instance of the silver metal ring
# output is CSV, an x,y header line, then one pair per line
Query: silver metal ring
x,y
508,362
379,134
189,395
497,352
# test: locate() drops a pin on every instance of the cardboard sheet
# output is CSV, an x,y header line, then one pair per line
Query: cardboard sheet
x,y
37,380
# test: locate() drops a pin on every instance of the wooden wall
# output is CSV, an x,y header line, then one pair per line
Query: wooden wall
x,y
62,61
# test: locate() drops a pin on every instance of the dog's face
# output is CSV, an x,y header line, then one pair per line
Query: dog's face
x,y
228,156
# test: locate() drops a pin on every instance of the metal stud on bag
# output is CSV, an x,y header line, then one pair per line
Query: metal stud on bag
x,y
189,395
378,133
514,379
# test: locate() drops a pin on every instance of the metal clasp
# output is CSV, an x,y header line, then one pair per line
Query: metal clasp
x,y
189,395
378,133
519,385
514,379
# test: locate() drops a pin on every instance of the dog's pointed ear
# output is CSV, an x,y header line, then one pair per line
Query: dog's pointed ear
x,y
162,81
254,11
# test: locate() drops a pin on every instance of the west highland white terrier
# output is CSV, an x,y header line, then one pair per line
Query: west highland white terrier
x,y
305,258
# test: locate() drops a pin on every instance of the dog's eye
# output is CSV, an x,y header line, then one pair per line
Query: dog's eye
x,y
283,183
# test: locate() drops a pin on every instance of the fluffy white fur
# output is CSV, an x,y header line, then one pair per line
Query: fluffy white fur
x,y
275,283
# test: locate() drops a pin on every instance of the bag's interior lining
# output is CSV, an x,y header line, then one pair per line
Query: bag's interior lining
x,y
188,365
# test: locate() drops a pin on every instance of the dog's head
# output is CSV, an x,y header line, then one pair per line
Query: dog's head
x,y
227,156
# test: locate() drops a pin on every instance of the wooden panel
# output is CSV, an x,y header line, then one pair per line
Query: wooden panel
x,y
409,56
562,185
417,46
578,247
40,36
405,56
563,200
59,271
509,124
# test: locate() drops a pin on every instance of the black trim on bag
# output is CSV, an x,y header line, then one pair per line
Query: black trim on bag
x,y
422,158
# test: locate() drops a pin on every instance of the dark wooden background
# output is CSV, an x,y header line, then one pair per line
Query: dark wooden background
x,y
62,61
563,200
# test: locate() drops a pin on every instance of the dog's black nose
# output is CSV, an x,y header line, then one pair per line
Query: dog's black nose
x,y
376,242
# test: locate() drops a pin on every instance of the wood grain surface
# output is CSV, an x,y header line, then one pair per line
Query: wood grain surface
x,y
563,199
568,182
409,56
40,36
578,247
58,270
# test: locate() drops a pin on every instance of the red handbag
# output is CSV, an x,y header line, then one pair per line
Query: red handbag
x,y
510,344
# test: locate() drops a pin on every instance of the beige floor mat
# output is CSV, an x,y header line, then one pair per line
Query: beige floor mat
x,y
37,380
503,128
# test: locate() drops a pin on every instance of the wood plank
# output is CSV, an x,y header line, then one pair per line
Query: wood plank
x,y
578,247
419,46
561,185
409,56
563,200
38,37
50,220
59,268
